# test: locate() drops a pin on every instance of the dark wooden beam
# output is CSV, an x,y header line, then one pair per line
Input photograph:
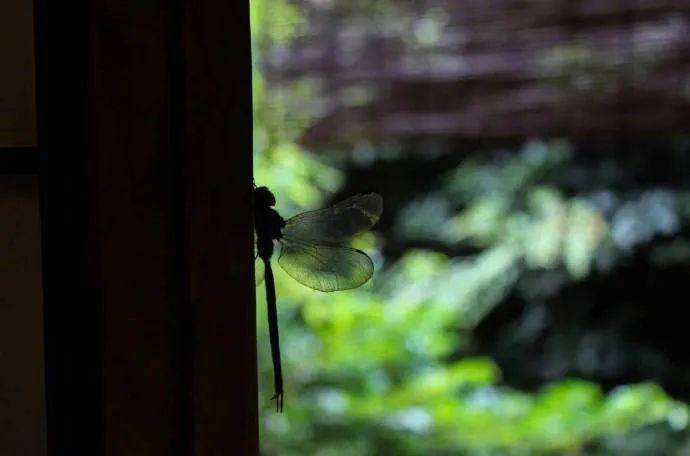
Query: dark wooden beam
x,y
218,153
151,217
136,225
72,318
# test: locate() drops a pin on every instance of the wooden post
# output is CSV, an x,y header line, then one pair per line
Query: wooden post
x,y
72,318
218,152
152,324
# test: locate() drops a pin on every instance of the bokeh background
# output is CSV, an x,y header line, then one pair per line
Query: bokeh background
x,y
533,259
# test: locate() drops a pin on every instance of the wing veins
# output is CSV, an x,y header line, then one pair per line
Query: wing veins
x,y
337,223
324,262
358,261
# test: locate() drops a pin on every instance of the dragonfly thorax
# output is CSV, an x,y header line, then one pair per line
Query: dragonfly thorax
x,y
268,223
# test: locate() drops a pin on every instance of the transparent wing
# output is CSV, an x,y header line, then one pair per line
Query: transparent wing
x,y
325,267
337,223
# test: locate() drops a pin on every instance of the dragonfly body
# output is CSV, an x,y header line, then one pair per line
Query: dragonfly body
x,y
313,252
268,223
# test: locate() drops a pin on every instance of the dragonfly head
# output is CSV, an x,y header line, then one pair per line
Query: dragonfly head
x,y
264,197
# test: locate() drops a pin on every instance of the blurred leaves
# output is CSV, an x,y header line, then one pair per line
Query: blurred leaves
x,y
380,370
389,368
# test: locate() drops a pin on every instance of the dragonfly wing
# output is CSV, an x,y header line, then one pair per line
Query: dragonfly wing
x,y
337,223
325,267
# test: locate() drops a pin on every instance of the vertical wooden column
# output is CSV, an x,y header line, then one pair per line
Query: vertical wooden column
x,y
158,191
218,152
72,318
137,226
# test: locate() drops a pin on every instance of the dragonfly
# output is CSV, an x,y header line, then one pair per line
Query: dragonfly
x,y
314,251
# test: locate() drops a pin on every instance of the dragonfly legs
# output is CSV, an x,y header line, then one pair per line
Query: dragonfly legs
x,y
278,397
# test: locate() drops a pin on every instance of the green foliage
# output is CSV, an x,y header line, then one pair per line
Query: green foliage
x,y
274,22
384,369
297,179
375,368
536,220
